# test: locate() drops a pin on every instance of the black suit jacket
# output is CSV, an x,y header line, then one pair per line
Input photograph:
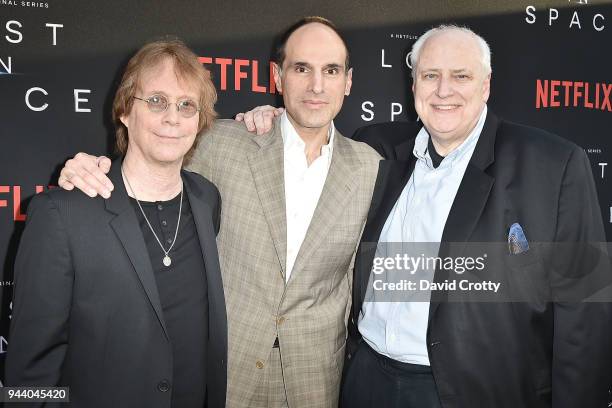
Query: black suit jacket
x,y
86,309
516,354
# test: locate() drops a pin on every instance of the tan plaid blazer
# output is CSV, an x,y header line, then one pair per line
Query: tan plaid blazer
x,y
308,313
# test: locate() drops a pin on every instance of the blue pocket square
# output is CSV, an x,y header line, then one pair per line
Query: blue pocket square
x,y
517,242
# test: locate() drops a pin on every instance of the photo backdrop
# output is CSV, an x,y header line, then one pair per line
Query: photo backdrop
x,y
60,61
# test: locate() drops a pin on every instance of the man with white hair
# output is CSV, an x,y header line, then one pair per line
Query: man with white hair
x,y
463,175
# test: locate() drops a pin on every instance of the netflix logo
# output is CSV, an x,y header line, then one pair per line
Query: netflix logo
x,y
10,197
575,94
241,74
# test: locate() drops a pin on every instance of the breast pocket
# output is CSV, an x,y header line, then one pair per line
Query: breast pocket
x,y
528,257
527,277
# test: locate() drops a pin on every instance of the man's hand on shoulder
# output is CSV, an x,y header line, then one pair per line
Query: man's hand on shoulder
x,y
260,119
88,174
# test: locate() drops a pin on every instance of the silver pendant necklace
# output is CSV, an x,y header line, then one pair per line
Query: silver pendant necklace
x,y
167,261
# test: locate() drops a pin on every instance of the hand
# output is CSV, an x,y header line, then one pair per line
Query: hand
x,y
88,174
259,120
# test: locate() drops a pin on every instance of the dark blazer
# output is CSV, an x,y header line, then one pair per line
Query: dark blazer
x,y
86,310
536,353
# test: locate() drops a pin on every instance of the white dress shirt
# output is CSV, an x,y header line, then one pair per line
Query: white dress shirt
x,y
399,329
303,186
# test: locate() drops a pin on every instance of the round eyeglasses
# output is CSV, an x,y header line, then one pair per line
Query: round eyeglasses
x,y
159,103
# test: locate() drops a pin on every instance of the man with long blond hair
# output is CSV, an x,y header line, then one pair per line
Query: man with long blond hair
x,y
121,300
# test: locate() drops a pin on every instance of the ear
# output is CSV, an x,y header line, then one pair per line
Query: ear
x,y
349,82
413,74
486,88
124,120
276,70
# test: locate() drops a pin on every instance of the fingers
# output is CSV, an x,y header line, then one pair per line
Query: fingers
x,y
65,184
85,184
263,118
64,178
249,120
259,119
104,163
83,173
263,121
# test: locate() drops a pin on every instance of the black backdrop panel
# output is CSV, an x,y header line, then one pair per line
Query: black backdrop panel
x,y
60,61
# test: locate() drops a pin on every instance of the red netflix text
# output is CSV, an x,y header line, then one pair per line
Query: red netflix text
x,y
10,197
243,69
576,94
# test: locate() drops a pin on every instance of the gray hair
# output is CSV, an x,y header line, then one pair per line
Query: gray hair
x,y
485,51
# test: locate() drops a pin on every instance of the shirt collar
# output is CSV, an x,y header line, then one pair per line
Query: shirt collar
x,y
291,139
468,145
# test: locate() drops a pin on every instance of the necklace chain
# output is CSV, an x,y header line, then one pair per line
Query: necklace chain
x,y
167,261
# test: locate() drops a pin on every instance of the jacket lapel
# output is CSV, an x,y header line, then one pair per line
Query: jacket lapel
x,y
337,191
203,217
475,187
126,226
267,169
393,175
469,202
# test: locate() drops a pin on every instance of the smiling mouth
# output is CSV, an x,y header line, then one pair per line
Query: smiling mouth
x,y
315,103
446,107
167,136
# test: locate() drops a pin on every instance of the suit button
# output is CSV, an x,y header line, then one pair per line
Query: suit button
x,y
434,344
281,320
163,385
259,364
349,356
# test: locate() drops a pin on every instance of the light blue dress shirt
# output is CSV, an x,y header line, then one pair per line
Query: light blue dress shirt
x,y
398,329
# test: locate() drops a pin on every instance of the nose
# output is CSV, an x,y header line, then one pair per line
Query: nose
x,y
445,87
316,82
172,115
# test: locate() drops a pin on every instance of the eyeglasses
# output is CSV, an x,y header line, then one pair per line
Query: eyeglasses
x,y
159,103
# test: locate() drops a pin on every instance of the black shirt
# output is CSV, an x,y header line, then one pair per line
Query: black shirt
x,y
436,159
183,295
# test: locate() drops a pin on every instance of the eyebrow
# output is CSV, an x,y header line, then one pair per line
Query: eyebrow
x,y
301,64
184,96
327,66
334,65
454,71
